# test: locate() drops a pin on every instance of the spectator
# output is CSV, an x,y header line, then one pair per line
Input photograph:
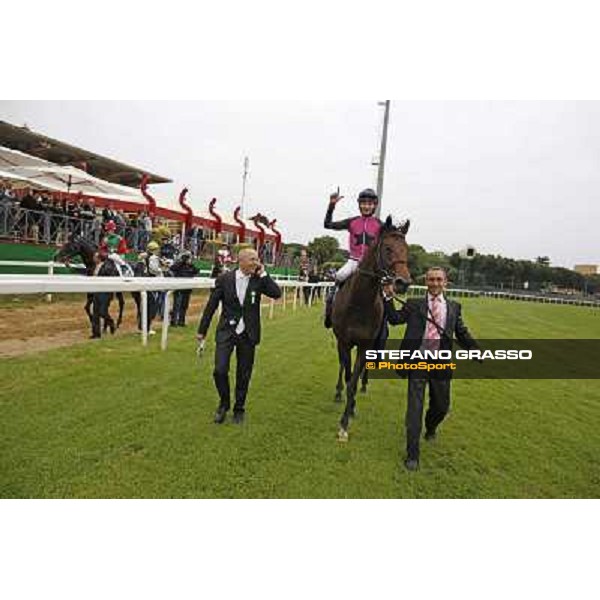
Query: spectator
x,y
148,265
107,214
224,258
183,267
313,277
168,251
28,200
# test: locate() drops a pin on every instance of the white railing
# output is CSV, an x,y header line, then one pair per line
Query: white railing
x,y
72,284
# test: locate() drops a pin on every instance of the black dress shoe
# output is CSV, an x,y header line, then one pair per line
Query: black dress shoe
x,y
412,464
220,415
430,435
238,418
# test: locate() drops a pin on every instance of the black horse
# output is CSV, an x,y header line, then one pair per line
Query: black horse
x,y
97,304
357,314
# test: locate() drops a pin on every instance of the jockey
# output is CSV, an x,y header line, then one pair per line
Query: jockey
x,y
153,263
363,231
115,245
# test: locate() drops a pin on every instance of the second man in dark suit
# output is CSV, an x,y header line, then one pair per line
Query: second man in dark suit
x,y
239,291
432,323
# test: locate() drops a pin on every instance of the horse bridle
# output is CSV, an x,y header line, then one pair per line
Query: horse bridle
x,y
385,275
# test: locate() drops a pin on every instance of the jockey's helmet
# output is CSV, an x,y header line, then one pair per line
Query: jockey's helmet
x,y
367,202
368,195
110,226
152,246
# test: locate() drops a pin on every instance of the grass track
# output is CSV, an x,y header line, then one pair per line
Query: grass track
x,y
111,419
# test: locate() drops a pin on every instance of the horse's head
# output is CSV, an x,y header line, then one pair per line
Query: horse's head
x,y
67,251
391,255
76,246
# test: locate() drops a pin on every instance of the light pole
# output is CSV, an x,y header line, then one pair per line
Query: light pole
x,y
382,151
244,177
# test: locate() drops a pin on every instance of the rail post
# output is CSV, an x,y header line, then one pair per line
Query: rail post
x,y
165,326
144,295
50,272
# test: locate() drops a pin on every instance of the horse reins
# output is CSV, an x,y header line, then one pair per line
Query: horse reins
x,y
381,272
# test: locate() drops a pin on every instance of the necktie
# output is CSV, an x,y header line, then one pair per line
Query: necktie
x,y
432,333
242,287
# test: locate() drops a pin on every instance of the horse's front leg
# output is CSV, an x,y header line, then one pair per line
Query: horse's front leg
x,y
352,385
344,370
345,357
121,302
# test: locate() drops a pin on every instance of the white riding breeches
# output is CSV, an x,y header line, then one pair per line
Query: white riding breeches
x,y
346,270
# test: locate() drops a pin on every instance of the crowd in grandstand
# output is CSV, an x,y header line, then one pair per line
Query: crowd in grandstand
x,y
39,216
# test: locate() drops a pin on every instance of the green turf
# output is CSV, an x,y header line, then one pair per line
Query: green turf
x,y
111,419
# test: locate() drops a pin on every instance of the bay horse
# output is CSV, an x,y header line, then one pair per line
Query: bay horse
x,y
357,315
85,248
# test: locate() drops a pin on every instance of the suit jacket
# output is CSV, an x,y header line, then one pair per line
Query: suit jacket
x,y
414,313
232,311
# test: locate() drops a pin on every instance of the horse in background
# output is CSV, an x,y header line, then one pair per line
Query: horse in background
x,y
358,310
77,245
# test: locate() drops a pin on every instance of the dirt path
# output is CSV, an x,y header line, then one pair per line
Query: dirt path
x,y
38,326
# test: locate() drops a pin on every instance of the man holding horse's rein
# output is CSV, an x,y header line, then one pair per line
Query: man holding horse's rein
x,y
432,323
363,232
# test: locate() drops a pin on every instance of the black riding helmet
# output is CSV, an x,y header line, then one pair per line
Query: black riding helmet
x,y
368,194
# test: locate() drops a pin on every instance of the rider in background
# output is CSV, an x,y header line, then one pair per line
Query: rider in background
x,y
115,246
363,232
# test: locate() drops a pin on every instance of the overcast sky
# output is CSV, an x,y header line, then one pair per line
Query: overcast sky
x,y
520,179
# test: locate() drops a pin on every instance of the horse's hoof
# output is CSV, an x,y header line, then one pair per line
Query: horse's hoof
x,y
363,389
342,435
338,397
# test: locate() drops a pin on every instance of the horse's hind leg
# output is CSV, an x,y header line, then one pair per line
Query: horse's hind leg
x,y
121,302
352,385
364,381
88,307
108,320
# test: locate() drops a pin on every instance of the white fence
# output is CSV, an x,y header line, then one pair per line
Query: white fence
x,y
15,284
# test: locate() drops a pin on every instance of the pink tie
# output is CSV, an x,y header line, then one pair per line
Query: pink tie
x,y
432,333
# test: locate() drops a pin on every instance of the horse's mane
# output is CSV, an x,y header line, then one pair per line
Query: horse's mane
x,y
87,244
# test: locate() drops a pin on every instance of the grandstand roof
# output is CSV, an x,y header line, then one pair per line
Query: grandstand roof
x,y
61,153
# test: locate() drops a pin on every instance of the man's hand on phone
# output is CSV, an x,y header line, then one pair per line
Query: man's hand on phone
x,y
335,197
259,270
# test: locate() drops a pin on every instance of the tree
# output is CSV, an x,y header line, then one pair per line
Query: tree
x,y
543,260
323,249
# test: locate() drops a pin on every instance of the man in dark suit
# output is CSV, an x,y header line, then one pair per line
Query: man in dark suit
x,y
239,291
432,323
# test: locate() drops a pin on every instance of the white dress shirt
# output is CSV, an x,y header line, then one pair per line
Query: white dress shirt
x,y
241,287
